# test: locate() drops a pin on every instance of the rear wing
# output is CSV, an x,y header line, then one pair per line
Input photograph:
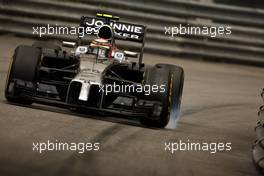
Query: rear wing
x,y
123,31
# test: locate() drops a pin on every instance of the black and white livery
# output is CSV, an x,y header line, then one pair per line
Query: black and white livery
x,y
86,77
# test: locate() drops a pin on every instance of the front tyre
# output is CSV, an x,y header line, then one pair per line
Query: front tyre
x,y
23,67
175,95
157,77
171,77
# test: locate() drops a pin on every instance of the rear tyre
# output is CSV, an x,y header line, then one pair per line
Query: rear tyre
x,y
23,66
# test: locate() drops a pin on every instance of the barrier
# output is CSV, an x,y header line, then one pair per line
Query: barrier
x,y
244,45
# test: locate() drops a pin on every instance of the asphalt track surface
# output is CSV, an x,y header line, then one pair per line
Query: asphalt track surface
x,y
220,102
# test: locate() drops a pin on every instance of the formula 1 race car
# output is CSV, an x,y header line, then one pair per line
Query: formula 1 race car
x,y
97,76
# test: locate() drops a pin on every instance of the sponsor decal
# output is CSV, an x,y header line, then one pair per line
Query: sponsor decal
x,y
122,29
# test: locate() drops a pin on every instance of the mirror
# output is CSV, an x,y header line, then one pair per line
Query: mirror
x,y
131,54
69,44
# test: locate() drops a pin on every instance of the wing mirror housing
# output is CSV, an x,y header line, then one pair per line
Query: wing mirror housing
x,y
69,44
131,54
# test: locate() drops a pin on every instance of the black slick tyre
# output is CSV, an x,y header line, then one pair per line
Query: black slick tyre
x,y
172,77
156,77
23,66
